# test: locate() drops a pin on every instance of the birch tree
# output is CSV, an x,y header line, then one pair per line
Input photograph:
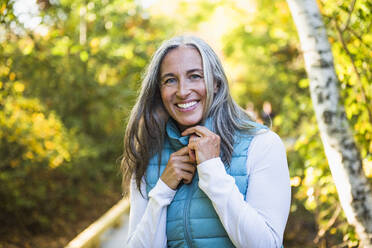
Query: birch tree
x,y
342,153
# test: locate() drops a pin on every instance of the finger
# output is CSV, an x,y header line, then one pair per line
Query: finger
x,y
198,130
184,158
187,177
182,151
193,146
186,167
193,138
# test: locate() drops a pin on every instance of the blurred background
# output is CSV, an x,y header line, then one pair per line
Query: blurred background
x,y
70,71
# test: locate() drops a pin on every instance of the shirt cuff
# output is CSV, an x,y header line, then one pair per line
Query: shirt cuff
x,y
162,193
211,164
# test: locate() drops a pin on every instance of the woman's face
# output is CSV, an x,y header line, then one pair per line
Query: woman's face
x,y
182,86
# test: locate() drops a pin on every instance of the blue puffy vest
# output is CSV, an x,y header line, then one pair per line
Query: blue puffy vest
x,y
191,218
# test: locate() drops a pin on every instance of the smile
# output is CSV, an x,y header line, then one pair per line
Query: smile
x,y
187,106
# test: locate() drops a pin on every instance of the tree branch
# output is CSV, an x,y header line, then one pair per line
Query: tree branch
x,y
362,91
330,223
352,5
352,31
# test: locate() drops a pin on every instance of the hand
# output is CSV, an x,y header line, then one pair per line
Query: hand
x,y
179,167
207,146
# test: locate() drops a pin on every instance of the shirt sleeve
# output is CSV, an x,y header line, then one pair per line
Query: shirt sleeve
x,y
147,217
260,219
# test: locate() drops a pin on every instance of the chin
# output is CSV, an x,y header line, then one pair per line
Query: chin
x,y
186,124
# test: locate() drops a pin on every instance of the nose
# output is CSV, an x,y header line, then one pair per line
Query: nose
x,y
183,88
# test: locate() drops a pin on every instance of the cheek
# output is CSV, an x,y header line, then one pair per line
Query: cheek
x,y
203,92
165,97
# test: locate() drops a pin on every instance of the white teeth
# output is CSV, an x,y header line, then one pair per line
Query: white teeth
x,y
186,105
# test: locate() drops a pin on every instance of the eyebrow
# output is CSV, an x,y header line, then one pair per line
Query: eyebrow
x,y
194,70
170,74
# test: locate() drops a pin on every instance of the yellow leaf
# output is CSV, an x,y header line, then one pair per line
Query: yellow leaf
x,y
19,87
84,56
56,162
304,83
12,76
367,166
2,9
295,181
29,155
94,43
49,145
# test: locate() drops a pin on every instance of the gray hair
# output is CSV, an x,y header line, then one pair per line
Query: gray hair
x,y
145,132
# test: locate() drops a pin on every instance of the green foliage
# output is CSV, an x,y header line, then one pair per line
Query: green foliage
x,y
263,56
272,70
33,142
65,96
6,11
30,135
273,55
349,31
64,99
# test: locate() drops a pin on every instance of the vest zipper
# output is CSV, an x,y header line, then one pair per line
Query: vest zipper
x,y
187,212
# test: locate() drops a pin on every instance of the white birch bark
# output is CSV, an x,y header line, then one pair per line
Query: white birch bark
x,y
343,156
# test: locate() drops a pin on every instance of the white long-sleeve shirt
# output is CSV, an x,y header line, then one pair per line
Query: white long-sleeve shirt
x,y
257,221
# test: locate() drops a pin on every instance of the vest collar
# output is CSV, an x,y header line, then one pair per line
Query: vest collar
x,y
175,139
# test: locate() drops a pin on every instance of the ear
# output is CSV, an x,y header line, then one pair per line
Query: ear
x,y
215,87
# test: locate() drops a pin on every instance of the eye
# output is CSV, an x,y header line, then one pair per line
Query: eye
x,y
170,81
195,76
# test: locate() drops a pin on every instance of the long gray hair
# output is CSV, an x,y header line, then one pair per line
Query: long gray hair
x,y
145,132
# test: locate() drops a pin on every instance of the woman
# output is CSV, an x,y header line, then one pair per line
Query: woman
x,y
201,173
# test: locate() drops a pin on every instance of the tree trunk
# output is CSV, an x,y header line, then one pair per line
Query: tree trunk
x,y
343,156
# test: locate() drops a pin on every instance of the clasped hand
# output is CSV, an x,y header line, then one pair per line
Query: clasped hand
x,y
203,145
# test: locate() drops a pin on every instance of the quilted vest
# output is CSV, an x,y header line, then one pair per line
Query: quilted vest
x,y
191,218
